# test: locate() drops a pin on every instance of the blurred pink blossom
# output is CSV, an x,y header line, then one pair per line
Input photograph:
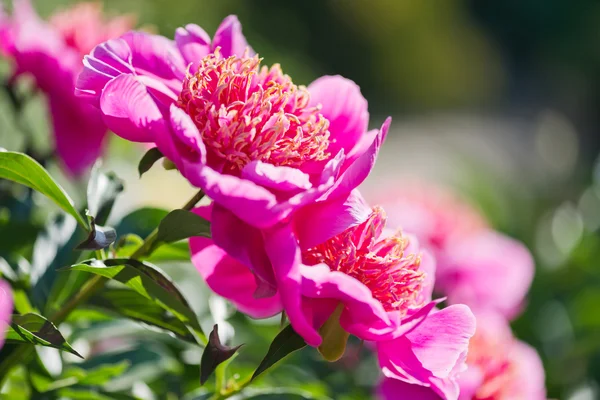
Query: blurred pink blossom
x,y
6,308
500,367
51,52
476,265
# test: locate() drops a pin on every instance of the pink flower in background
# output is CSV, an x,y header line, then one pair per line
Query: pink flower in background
x,y
6,307
51,52
476,265
369,284
500,367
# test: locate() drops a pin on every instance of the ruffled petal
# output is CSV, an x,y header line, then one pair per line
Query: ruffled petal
x,y
130,111
358,171
193,43
318,222
433,353
250,202
244,243
229,278
230,39
6,308
279,178
345,108
282,247
361,310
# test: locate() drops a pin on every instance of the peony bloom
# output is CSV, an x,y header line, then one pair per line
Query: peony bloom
x,y
500,367
6,306
361,281
272,155
475,265
51,52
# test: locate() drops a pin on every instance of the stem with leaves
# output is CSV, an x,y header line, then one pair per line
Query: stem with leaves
x,y
23,353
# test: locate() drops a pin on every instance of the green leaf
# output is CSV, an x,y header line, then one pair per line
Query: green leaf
x,y
128,244
97,376
286,342
141,222
130,304
148,160
149,282
21,168
276,393
181,224
37,330
214,354
102,191
52,250
334,337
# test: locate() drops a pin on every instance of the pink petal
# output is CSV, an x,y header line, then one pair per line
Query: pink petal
x,y
358,171
230,279
230,39
320,221
79,133
345,108
6,308
243,243
250,202
488,270
279,178
393,389
193,43
157,57
106,61
130,110
442,340
282,247
529,380
361,310
432,353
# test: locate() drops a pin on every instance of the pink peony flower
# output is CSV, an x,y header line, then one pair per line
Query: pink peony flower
x,y
6,307
475,265
51,52
500,367
272,155
359,282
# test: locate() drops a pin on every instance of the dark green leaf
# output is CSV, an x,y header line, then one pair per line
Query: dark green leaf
x,y
130,304
100,237
103,188
52,250
181,224
141,222
21,168
148,160
149,282
286,342
214,354
35,329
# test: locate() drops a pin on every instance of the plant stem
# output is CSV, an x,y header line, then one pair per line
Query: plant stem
x,y
22,353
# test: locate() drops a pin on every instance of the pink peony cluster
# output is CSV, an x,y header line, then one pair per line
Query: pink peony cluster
x,y
6,307
51,53
484,269
290,231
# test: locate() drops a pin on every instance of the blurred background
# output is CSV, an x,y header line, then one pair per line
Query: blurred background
x,y
497,99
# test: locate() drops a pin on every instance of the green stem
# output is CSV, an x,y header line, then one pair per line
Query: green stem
x,y
233,391
22,353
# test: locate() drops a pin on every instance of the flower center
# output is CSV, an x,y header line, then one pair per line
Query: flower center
x,y
394,278
246,113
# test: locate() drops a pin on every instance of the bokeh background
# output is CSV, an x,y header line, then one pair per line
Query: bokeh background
x,y
497,99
